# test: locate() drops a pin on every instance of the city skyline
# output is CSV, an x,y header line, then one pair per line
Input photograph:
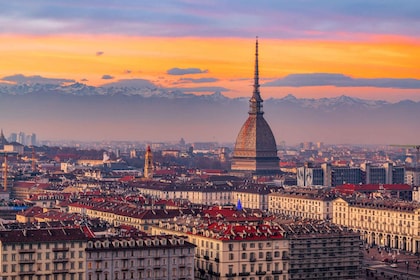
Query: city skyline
x,y
365,50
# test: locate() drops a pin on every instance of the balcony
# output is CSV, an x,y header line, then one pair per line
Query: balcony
x,y
285,258
260,273
269,258
59,271
23,273
62,249
217,274
217,260
206,257
23,251
230,274
252,259
24,261
275,272
244,273
58,260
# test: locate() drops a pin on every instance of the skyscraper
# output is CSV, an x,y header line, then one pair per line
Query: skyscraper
x,y
255,148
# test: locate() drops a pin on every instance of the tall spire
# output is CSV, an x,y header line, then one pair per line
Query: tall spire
x,y
255,106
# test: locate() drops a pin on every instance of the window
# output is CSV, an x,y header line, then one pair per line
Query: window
x,y
230,269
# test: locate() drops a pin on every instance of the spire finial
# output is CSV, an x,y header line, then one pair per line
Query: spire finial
x,y
256,100
256,74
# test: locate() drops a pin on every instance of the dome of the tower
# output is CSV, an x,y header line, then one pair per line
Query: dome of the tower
x,y
255,139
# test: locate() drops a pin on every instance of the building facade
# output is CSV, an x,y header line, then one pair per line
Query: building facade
x,y
149,258
227,252
275,250
307,204
43,254
323,251
331,176
384,223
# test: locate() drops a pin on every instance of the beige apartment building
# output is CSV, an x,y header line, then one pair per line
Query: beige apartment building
x,y
196,194
120,213
253,197
151,258
390,223
42,254
269,250
310,205
229,251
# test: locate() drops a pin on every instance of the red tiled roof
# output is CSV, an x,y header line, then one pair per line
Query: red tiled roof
x,y
31,212
350,188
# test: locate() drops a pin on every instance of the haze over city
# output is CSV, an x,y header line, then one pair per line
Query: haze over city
x,y
366,50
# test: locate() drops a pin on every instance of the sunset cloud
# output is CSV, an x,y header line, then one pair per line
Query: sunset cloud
x,y
340,80
22,79
107,77
199,80
134,83
185,71
282,18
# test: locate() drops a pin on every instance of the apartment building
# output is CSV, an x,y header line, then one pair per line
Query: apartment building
x,y
250,247
122,213
43,254
251,195
304,203
200,193
320,250
391,223
146,257
232,251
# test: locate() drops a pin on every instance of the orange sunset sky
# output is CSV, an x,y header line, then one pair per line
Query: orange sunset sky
x,y
369,51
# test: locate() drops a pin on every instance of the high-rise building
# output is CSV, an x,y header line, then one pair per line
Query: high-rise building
x,y
255,148
13,137
22,138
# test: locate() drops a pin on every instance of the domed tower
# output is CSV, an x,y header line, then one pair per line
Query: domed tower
x,y
255,149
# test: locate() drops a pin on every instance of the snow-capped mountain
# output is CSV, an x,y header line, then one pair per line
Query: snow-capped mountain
x,y
128,111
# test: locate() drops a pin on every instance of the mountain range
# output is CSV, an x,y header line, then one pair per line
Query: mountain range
x,y
127,112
